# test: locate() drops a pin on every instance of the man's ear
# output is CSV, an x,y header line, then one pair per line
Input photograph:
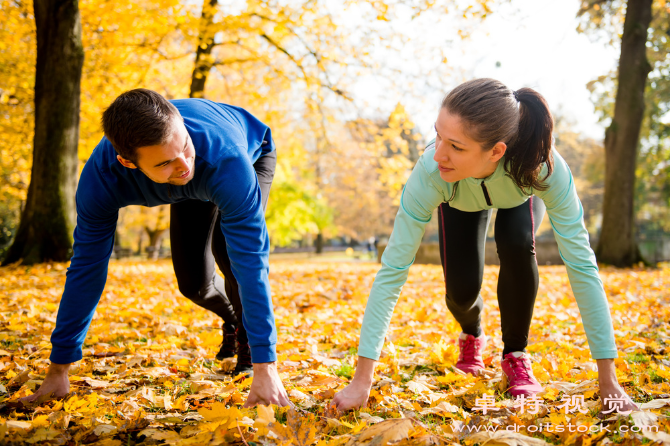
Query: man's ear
x,y
498,151
126,163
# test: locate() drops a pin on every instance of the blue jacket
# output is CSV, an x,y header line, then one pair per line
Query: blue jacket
x,y
228,140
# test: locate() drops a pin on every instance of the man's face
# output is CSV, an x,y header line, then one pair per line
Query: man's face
x,y
171,163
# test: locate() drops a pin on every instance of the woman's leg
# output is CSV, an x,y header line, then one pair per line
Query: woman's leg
x,y
518,279
462,247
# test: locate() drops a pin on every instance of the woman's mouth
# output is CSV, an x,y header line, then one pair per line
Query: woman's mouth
x,y
444,169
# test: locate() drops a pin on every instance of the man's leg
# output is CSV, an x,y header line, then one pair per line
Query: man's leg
x,y
191,227
265,168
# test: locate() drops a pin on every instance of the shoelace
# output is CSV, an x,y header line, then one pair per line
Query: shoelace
x,y
467,348
244,354
230,338
519,367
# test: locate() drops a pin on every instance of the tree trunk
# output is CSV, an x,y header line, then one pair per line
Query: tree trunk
x,y
203,56
47,222
155,240
318,244
617,245
156,234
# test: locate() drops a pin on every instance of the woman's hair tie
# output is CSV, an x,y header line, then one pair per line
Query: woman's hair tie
x,y
516,95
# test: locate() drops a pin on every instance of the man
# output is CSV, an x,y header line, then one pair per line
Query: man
x,y
214,164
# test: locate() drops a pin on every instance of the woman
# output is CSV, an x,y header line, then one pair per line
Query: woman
x,y
493,149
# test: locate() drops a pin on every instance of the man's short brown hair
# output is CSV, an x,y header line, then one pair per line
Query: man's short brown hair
x,y
138,118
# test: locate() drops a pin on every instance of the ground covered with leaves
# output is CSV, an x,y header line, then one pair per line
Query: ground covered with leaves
x,y
148,375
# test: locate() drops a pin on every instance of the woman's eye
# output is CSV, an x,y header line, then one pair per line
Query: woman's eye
x,y
457,148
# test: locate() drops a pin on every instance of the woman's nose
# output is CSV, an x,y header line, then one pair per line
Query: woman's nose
x,y
440,153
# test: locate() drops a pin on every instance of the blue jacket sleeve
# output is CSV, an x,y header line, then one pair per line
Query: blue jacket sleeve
x,y
248,244
97,215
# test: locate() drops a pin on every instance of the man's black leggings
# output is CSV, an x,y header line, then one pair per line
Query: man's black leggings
x,y
462,247
197,242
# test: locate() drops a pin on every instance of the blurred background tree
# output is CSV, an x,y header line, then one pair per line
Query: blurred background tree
x,y
290,63
296,65
48,217
639,203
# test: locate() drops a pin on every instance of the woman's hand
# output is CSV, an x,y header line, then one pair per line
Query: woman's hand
x,y
55,385
356,394
613,396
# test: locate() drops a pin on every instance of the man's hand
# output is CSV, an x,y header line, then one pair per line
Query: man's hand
x,y
55,385
267,387
617,399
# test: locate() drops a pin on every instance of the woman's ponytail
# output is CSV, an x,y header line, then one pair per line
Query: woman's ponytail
x,y
532,146
521,119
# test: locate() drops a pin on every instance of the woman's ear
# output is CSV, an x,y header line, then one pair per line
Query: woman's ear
x,y
498,151
126,163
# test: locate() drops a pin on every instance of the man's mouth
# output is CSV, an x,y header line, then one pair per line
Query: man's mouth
x,y
186,174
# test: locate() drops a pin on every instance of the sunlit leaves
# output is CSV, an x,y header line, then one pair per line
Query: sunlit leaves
x,y
148,372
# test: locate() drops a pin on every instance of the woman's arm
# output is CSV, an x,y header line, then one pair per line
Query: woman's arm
x,y
419,198
566,216
610,389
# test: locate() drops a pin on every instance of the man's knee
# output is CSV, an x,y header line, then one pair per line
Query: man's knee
x,y
195,290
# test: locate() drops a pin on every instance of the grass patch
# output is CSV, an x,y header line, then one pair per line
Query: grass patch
x,y
345,371
637,358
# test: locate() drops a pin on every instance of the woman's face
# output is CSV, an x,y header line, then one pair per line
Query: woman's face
x,y
459,156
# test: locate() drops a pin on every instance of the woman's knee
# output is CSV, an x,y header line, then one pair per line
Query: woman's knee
x,y
463,296
515,244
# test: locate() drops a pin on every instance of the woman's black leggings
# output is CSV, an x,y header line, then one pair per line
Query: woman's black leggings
x,y
197,242
462,247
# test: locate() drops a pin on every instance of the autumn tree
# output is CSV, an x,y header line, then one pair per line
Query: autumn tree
x,y
367,170
17,93
45,232
292,64
617,244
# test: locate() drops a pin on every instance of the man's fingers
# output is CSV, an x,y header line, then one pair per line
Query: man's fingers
x,y
29,399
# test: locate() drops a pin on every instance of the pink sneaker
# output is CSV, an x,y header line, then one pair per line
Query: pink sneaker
x,y
470,358
519,374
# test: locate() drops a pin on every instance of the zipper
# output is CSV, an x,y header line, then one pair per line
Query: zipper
x,y
169,194
453,193
486,194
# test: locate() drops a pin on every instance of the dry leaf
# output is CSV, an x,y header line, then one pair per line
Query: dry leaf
x,y
384,432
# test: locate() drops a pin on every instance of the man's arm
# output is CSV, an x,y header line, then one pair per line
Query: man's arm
x,y
236,191
86,277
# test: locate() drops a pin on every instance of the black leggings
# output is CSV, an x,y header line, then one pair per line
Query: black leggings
x,y
197,242
462,247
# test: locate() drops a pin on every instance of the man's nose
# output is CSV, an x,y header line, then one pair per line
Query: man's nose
x,y
183,163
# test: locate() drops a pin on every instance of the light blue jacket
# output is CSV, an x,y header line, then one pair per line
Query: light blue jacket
x,y
426,190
